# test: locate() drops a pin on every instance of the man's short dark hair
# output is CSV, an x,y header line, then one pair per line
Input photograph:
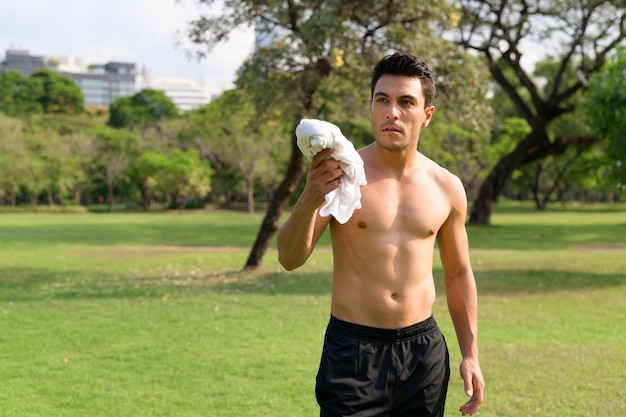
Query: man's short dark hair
x,y
409,65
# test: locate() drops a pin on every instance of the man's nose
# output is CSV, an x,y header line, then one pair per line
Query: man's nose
x,y
392,112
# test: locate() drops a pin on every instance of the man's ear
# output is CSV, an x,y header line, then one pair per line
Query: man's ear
x,y
429,111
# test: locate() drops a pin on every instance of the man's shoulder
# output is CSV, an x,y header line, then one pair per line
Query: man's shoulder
x,y
438,171
445,179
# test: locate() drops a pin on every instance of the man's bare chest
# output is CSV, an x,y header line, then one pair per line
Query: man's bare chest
x,y
416,209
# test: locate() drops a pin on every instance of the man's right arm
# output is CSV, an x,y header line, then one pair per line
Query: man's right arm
x,y
297,237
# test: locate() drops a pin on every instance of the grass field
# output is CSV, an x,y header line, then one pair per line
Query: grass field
x,y
146,315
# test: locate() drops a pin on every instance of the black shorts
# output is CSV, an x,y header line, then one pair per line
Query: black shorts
x,y
367,372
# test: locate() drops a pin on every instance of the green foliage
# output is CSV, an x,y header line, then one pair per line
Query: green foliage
x,y
606,104
115,140
577,38
60,94
302,45
181,174
19,95
44,91
449,144
12,155
141,109
187,175
64,124
115,152
237,138
315,62
48,155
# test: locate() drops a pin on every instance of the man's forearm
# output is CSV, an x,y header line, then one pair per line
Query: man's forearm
x,y
296,238
463,307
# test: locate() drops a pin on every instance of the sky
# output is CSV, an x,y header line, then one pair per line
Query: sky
x,y
136,31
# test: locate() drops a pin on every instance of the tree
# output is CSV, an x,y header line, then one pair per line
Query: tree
x,y
34,180
232,134
82,148
115,150
145,171
181,174
12,154
66,149
19,95
303,44
60,94
606,101
577,34
161,136
141,109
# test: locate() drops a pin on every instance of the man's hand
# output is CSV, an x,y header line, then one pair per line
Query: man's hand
x,y
323,177
474,386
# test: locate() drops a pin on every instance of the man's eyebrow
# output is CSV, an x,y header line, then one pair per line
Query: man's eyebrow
x,y
409,97
403,97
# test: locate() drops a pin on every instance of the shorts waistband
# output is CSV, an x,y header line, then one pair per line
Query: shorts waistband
x,y
376,334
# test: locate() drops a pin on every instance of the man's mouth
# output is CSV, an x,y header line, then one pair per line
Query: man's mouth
x,y
392,129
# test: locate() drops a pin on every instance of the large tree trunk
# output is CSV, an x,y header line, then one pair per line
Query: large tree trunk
x,y
492,187
319,70
277,205
495,182
532,148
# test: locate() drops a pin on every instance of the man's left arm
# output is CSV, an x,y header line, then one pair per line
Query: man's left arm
x,y
462,295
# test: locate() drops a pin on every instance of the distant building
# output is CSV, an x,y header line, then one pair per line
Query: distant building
x,y
67,63
101,84
22,61
104,83
184,92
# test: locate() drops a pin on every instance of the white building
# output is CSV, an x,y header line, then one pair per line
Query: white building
x,y
67,64
184,92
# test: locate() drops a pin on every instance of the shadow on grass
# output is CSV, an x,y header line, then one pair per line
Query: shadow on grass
x,y
185,233
521,282
526,207
504,282
546,236
27,284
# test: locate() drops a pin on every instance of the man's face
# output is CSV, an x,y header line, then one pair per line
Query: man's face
x,y
397,112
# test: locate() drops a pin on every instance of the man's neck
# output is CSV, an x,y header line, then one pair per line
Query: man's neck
x,y
398,162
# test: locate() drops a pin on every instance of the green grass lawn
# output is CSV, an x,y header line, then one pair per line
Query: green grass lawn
x,y
146,315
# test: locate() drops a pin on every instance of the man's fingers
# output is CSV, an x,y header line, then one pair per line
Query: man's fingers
x,y
322,156
469,407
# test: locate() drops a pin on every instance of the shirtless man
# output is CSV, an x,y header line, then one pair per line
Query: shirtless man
x,y
383,353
